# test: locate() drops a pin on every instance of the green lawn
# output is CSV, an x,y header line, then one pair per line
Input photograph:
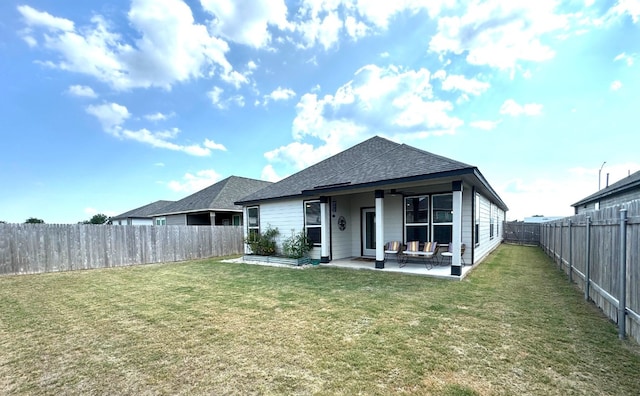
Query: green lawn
x,y
515,326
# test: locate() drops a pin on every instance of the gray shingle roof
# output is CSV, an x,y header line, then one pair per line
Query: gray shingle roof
x,y
628,183
144,211
217,197
375,160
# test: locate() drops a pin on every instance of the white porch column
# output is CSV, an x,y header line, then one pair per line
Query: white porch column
x,y
456,234
324,230
379,228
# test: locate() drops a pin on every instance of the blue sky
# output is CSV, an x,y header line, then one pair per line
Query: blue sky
x,y
107,106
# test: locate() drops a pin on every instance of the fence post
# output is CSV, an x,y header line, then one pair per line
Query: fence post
x,y
561,245
570,253
553,243
587,275
622,299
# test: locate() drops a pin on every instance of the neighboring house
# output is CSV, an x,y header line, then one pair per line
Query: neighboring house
x,y
378,191
625,190
141,215
213,205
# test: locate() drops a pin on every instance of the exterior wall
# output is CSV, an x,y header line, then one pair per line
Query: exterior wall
x,y
467,221
179,219
141,221
609,201
287,217
341,240
486,243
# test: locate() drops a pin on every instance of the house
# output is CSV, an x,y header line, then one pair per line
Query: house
x,y
213,205
141,215
625,190
378,191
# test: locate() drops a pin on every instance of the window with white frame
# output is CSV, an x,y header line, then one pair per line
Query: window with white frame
x,y
416,218
161,221
313,222
253,221
442,216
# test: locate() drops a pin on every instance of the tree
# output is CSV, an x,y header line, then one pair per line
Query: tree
x,y
98,219
33,220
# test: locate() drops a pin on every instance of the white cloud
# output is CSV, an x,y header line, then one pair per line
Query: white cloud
x,y
512,108
485,124
247,21
455,82
279,94
210,144
112,117
155,117
269,174
628,59
82,91
170,46
35,18
499,33
616,85
195,182
377,101
627,7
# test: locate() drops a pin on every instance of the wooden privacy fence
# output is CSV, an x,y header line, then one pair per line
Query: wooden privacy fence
x,y
600,252
521,233
34,248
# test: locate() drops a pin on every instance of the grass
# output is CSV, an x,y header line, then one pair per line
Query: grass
x,y
514,327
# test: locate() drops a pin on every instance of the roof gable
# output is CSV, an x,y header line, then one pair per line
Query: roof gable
x,y
144,211
218,196
372,161
628,183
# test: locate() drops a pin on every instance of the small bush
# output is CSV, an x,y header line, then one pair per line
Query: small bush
x,y
263,244
297,245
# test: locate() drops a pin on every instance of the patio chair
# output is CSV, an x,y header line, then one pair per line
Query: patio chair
x,y
392,248
449,253
426,253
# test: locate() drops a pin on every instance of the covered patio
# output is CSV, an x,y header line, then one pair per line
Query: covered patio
x,y
413,267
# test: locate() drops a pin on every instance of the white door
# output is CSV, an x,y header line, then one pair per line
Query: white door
x,y
369,232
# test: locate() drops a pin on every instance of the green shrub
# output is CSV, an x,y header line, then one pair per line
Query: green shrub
x,y
263,244
297,245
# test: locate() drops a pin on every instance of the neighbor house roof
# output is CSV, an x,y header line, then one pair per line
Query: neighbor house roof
x,y
374,162
217,197
630,182
143,212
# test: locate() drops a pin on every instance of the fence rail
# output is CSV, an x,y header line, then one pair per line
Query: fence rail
x,y
36,248
600,252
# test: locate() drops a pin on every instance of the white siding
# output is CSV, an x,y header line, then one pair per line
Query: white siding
x,y
141,221
487,244
287,217
180,219
341,239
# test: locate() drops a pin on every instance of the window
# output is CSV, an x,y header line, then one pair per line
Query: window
x,y
417,218
442,218
313,221
253,223
237,220
491,222
161,221
477,219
